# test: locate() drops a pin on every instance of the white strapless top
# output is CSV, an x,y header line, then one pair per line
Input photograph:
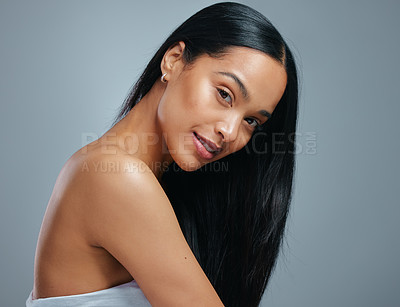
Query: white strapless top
x,y
125,295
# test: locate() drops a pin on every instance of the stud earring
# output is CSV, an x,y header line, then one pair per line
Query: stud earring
x,y
163,78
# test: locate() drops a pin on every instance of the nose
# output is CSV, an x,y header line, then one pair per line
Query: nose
x,y
229,128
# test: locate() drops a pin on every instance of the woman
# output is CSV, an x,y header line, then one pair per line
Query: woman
x,y
183,202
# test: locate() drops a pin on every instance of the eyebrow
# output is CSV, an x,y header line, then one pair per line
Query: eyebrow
x,y
265,113
239,83
243,90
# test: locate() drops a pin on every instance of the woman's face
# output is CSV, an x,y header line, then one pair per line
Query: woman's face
x,y
211,109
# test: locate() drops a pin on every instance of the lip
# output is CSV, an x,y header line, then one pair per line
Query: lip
x,y
210,143
201,150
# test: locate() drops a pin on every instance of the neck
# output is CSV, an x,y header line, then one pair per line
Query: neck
x,y
139,133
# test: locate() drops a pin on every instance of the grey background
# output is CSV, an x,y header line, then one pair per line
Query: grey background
x,y
66,66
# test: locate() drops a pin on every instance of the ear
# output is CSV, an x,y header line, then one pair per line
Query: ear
x,y
172,62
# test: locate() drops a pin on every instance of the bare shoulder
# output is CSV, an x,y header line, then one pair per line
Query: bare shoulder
x,y
126,212
111,180
97,164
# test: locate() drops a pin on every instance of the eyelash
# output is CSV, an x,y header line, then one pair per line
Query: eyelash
x,y
223,91
257,126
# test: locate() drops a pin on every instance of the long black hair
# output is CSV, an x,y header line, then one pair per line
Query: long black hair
x,y
233,211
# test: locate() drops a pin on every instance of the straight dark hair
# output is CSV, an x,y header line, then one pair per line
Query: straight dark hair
x,y
233,211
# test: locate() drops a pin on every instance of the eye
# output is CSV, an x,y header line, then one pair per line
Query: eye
x,y
253,122
225,96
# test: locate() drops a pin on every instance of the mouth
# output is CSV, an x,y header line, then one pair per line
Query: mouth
x,y
205,148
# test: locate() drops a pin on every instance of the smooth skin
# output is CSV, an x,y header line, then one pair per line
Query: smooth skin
x,y
108,220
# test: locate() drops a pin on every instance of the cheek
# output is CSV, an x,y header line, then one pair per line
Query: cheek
x,y
186,104
195,97
175,114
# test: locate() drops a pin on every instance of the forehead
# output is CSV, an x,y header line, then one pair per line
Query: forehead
x,y
264,77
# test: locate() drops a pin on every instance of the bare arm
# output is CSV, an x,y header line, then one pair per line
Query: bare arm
x,y
129,215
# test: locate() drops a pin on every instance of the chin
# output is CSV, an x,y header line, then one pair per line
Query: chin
x,y
188,160
188,165
185,159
